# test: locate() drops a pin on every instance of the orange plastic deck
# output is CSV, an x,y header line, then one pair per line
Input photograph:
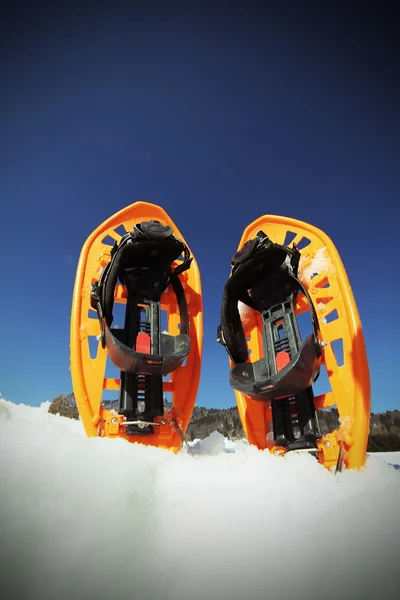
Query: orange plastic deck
x,y
88,374
323,274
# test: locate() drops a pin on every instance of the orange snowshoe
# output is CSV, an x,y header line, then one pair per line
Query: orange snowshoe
x,y
137,260
273,370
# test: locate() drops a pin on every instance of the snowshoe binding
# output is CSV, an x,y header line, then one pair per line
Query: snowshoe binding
x,y
273,370
137,260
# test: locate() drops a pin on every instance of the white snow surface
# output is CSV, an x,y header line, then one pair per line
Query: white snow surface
x,y
97,518
319,263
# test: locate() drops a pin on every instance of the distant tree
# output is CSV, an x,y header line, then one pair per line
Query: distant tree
x,y
384,442
64,405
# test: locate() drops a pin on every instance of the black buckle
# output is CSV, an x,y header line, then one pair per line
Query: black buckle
x,y
153,230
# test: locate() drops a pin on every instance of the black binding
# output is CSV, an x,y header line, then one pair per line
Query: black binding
x,y
142,263
265,277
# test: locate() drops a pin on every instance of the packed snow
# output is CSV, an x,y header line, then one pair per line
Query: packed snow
x,y
98,518
314,265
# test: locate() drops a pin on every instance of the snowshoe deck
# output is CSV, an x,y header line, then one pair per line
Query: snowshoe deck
x,y
137,260
273,371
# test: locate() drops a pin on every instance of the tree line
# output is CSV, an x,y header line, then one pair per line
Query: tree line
x,y
384,433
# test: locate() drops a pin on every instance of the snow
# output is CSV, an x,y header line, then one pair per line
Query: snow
x,y
314,265
97,518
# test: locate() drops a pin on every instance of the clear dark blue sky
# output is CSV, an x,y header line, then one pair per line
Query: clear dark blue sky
x,y
219,115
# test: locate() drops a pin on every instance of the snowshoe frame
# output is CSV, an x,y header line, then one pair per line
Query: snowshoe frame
x,y
149,269
323,290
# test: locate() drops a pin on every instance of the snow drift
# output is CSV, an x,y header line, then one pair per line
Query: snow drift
x,y
97,518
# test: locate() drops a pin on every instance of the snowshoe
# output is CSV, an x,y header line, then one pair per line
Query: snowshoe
x,y
137,261
274,366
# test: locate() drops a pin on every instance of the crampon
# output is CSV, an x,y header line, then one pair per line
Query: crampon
x,y
274,367
137,261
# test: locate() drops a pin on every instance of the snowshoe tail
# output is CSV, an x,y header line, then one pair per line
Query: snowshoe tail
x,y
137,263
273,370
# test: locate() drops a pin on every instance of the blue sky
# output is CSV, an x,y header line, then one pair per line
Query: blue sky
x,y
219,116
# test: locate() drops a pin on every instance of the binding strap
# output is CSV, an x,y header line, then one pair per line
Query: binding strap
x,y
142,263
270,271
